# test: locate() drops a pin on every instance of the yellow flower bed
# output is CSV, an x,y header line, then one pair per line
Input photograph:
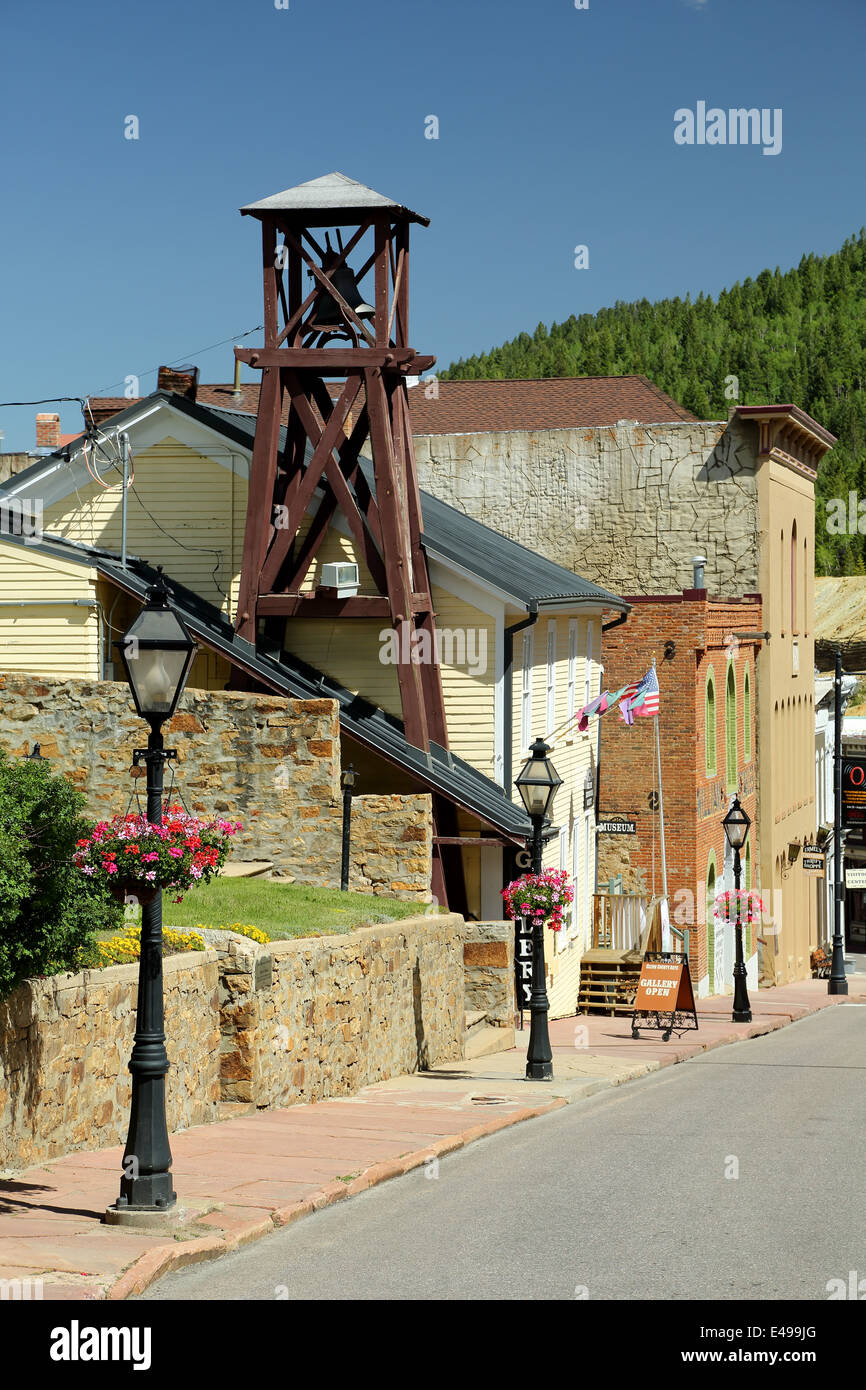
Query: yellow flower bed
x,y
126,948
254,933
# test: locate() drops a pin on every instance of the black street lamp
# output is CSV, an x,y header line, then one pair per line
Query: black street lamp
x,y
537,783
157,653
736,824
837,984
347,781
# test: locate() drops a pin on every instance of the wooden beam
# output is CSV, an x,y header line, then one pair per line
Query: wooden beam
x,y
475,840
314,605
394,553
259,518
328,361
328,505
328,285
343,494
269,281
300,309
284,537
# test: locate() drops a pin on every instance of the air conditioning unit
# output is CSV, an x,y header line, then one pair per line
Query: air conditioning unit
x,y
342,578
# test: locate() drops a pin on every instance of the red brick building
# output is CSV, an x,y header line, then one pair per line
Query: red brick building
x,y
705,651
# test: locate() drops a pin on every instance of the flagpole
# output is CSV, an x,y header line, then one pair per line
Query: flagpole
x,y
661,804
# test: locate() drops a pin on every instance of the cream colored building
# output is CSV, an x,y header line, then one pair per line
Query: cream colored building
x,y
64,602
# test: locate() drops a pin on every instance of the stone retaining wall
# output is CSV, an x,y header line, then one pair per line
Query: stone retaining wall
x,y
304,1020
268,761
278,1024
488,964
65,1042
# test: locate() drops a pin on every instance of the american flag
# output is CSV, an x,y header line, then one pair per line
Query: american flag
x,y
646,692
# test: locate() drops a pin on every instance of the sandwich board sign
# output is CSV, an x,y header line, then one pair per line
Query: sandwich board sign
x,y
664,999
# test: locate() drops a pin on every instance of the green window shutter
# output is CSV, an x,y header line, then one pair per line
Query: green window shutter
x,y
747,717
731,731
710,726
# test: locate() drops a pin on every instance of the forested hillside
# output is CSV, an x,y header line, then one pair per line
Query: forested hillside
x,y
797,337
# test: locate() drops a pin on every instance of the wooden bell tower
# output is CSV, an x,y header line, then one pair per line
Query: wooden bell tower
x,y
331,334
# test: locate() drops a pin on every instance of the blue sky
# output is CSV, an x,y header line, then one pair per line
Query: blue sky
x,y
555,129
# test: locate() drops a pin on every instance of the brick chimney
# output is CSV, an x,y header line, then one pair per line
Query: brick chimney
x,y
183,381
47,430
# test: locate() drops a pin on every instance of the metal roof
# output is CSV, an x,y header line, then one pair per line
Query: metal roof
x,y
441,771
505,565
334,192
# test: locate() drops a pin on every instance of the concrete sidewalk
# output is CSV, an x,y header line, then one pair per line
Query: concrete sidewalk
x,y
247,1176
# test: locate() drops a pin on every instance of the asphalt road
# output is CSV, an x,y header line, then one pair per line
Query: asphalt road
x,y
624,1196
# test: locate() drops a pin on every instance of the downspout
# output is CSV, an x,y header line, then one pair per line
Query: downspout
x,y
508,711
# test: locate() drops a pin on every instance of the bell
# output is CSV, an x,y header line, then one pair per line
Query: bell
x,y
328,315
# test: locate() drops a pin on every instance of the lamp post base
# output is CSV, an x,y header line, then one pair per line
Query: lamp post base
x,y
148,1219
539,1071
742,1016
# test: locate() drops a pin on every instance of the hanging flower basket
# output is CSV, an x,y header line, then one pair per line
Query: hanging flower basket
x,y
138,858
543,896
750,906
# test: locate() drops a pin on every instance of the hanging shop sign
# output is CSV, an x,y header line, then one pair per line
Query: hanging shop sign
x,y
854,792
855,878
617,825
814,860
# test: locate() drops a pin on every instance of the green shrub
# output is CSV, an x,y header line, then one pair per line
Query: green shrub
x,y
49,913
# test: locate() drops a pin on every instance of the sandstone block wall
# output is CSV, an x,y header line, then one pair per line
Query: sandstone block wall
x,y
275,1025
488,964
307,1019
65,1042
270,762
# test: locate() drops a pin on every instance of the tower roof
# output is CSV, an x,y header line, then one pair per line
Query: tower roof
x,y
327,198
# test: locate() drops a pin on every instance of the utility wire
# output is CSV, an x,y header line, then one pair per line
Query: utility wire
x,y
197,352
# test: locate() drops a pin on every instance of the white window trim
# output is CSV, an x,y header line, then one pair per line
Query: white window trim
x,y
572,674
577,904
562,936
527,663
551,677
587,674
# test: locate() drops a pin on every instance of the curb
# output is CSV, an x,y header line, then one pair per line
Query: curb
x,y
167,1259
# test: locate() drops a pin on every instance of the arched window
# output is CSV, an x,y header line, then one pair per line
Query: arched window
x,y
747,866
731,730
805,579
710,724
794,578
747,716
782,594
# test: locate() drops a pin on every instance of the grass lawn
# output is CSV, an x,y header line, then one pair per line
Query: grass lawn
x,y
281,910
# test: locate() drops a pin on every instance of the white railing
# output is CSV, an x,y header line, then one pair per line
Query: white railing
x,y
617,920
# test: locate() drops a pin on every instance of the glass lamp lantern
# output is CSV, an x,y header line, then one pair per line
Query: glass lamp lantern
x,y
157,652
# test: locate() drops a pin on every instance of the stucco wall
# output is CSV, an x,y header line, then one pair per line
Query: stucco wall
x,y
626,507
